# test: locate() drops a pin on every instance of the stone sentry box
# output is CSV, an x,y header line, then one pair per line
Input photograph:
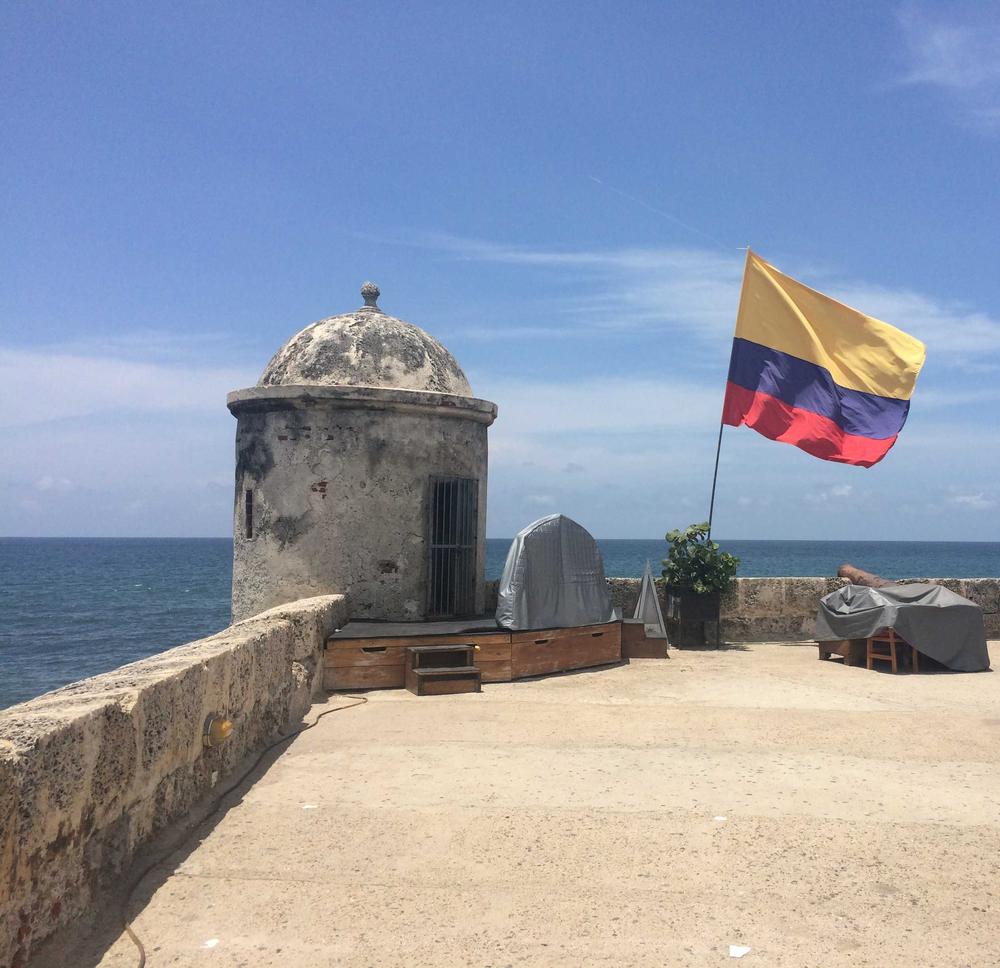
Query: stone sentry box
x,y
341,451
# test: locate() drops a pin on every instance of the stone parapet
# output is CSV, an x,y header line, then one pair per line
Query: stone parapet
x,y
89,772
784,609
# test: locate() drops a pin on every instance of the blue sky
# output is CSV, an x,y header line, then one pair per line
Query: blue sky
x,y
557,191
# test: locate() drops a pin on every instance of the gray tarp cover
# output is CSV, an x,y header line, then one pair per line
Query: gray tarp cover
x,y
553,578
935,621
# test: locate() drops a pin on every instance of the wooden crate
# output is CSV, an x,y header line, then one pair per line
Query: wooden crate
x,y
364,677
635,644
363,664
492,656
558,650
367,652
853,650
494,671
428,682
443,669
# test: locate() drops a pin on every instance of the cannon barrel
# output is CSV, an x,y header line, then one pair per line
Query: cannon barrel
x,y
856,576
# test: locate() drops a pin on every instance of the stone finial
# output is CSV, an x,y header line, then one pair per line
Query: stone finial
x,y
370,292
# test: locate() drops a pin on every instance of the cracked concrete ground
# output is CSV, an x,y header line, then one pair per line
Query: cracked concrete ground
x,y
648,814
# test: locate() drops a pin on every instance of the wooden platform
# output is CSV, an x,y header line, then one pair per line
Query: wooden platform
x,y
373,655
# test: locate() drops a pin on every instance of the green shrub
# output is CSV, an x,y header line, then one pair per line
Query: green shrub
x,y
696,563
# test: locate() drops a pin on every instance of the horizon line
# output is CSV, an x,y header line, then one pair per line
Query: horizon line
x,y
209,537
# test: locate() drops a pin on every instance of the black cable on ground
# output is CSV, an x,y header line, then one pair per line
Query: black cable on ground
x,y
361,700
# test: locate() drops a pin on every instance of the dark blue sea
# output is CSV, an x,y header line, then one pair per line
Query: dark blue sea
x,y
75,607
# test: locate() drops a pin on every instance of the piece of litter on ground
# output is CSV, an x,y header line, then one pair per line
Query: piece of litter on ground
x,y
310,806
718,819
738,950
211,943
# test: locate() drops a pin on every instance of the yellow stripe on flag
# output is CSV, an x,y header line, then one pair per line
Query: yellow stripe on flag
x,y
859,351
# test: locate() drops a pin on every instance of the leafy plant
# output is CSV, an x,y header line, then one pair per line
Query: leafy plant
x,y
697,563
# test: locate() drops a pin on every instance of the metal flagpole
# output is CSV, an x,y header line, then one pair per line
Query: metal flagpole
x,y
715,477
718,446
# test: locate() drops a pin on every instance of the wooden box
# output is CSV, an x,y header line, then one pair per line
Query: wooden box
x,y
429,682
364,664
558,650
636,645
492,656
853,650
441,670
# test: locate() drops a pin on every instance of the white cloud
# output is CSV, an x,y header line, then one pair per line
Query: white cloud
x,y
959,57
951,330
972,502
38,387
613,405
145,445
618,455
934,400
104,445
145,474
831,494
59,485
146,346
694,292
758,501
610,291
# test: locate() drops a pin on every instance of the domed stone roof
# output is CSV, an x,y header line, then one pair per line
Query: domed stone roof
x,y
366,348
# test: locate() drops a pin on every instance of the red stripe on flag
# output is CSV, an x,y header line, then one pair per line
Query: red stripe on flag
x,y
808,431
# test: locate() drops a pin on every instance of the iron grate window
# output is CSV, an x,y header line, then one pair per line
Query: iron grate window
x,y
453,521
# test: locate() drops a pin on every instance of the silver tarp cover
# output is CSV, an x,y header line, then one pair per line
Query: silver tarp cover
x,y
935,621
553,578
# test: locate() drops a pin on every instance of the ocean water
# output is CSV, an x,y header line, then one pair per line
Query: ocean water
x,y
75,607
72,608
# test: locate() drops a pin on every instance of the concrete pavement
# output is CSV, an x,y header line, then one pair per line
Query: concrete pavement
x,y
649,814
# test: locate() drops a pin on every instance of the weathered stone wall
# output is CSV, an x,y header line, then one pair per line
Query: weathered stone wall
x,y
341,478
89,772
784,609
754,609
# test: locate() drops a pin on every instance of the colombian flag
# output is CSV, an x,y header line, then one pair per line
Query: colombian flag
x,y
810,371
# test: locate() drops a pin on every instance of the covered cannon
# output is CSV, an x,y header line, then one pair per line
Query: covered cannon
x,y
553,578
933,620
